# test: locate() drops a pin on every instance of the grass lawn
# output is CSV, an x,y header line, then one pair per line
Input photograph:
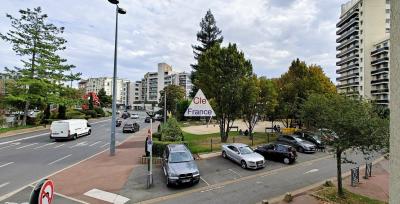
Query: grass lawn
x,y
3,130
202,143
350,198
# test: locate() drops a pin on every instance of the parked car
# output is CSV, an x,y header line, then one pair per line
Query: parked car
x,y
147,120
158,117
179,166
327,134
311,137
244,155
125,115
299,144
69,129
118,122
278,152
130,127
134,116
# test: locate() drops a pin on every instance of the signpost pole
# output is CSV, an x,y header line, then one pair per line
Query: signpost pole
x,y
150,149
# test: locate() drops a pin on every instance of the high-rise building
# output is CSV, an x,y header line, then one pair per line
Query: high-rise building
x,y
363,25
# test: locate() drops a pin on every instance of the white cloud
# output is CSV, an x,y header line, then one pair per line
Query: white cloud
x,y
270,32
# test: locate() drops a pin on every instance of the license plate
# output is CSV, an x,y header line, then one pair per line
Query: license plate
x,y
185,180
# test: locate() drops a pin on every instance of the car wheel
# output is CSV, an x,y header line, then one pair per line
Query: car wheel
x,y
168,183
300,149
243,164
75,136
224,155
286,160
89,132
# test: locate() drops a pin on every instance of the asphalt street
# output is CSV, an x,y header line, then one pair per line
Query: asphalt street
x,y
28,157
223,181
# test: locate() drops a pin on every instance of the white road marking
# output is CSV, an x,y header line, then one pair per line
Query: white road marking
x,y
204,181
25,138
27,145
58,146
104,144
211,189
94,143
44,145
6,164
106,196
234,172
4,184
79,144
13,144
311,171
99,121
51,163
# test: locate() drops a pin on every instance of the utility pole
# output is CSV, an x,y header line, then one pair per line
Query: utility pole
x,y
150,149
165,105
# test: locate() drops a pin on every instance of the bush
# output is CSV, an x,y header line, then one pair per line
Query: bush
x,y
91,113
170,131
157,135
74,114
159,147
100,112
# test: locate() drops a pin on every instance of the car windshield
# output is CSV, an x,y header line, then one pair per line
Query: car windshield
x,y
298,139
177,157
245,150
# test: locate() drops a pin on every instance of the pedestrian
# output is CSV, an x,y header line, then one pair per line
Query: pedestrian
x,y
275,128
145,147
246,132
279,128
240,132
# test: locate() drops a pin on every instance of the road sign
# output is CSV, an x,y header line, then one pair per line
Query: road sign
x,y
199,106
43,193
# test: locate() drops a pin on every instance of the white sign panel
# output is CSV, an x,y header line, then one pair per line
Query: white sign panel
x,y
199,106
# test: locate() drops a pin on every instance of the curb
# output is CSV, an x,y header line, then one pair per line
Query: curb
x,y
315,185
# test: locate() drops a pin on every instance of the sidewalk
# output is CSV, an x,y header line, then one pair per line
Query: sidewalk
x,y
102,171
376,187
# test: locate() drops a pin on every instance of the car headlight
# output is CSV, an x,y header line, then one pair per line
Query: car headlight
x,y
172,174
196,173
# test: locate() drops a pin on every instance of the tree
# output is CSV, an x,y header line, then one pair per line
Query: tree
x,y
354,121
208,36
175,94
221,74
105,100
37,42
297,84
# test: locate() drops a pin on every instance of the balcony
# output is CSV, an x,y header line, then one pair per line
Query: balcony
x,y
347,51
348,68
348,42
354,75
380,50
377,91
347,17
384,101
380,60
348,84
380,70
378,81
347,59
352,22
351,31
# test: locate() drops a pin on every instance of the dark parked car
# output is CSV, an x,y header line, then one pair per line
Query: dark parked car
x,y
299,144
179,166
130,127
118,122
147,120
278,152
311,137
125,115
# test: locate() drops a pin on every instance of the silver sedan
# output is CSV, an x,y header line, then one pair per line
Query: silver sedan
x,y
244,155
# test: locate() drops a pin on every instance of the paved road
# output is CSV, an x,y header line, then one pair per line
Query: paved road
x,y
28,157
225,182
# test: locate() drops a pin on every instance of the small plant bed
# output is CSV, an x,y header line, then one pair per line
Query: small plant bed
x,y
330,194
202,143
4,130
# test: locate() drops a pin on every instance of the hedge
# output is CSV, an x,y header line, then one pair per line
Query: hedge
x,y
159,147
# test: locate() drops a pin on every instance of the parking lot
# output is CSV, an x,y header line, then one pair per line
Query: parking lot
x,y
213,171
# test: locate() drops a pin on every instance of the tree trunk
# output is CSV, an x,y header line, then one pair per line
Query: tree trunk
x,y
339,172
25,113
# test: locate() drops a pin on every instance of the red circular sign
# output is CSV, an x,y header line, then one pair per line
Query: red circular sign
x,y
46,194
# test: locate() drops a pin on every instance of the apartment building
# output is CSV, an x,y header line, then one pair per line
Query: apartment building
x,y
363,26
122,91
380,72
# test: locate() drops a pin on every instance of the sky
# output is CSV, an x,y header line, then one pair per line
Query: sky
x,y
271,33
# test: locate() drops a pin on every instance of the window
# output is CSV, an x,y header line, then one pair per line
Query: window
x,y
360,78
387,1
387,10
361,88
387,20
387,30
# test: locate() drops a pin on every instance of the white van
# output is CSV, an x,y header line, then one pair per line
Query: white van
x,y
69,129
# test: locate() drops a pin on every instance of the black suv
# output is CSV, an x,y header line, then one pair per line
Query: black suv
x,y
278,152
298,143
147,120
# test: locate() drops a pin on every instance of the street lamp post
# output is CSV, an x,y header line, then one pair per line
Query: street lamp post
x,y
149,144
112,142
